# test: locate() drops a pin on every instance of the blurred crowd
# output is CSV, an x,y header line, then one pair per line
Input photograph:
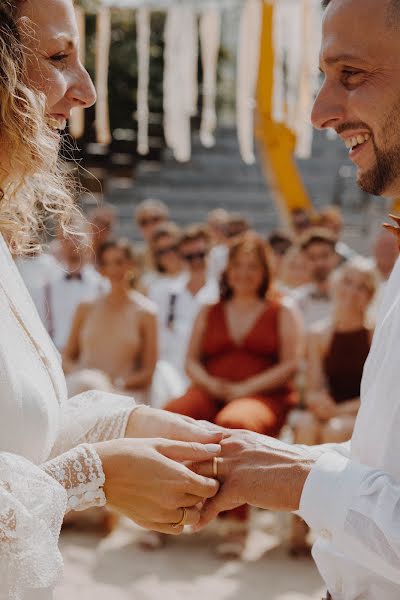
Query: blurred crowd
x,y
215,322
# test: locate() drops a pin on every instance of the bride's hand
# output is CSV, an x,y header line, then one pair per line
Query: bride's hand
x,y
147,481
146,422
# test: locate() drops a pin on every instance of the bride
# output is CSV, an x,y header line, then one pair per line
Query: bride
x,y
58,454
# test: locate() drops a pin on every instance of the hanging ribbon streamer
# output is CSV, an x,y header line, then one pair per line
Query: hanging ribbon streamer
x,y
77,119
180,78
143,53
210,39
296,44
103,42
247,75
309,78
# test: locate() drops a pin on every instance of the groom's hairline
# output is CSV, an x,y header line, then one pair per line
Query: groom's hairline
x,y
393,11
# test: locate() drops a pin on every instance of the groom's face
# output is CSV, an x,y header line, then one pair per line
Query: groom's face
x,y
360,95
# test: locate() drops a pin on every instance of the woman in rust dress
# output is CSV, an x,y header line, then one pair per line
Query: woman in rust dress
x,y
242,359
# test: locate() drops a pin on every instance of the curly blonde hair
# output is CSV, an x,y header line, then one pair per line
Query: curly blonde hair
x,y
44,190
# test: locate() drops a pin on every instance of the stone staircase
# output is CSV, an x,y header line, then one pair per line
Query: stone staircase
x,y
218,177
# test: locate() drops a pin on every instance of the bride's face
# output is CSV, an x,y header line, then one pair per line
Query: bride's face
x,y
49,31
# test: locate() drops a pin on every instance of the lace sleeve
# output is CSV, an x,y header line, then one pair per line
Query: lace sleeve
x,y
92,417
32,507
80,472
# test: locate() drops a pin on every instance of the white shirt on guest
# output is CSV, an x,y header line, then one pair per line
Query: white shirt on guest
x,y
313,305
352,495
178,309
37,272
63,297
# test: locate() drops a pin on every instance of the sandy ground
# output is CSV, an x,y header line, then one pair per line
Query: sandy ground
x,y
114,568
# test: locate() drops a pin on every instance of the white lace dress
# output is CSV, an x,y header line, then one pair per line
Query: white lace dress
x,y
47,462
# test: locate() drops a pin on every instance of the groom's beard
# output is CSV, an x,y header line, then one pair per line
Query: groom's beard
x,y
387,168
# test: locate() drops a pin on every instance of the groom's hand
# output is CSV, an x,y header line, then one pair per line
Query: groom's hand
x,y
256,470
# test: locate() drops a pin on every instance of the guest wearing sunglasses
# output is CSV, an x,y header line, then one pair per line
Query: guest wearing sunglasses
x,y
149,215
180,301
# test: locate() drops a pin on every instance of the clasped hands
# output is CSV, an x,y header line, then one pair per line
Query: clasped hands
x,y
170,471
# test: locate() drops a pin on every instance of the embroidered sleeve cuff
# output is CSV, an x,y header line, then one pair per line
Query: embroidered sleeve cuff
x,y
328,492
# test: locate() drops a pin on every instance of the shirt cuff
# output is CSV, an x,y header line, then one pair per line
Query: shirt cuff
x,y
327,495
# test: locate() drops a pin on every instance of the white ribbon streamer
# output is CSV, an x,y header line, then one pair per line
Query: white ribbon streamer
x,y
247,75
143,52
210,39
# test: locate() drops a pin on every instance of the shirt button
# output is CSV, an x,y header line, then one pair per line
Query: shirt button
x,y
326,534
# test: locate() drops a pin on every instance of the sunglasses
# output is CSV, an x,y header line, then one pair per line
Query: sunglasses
x,y
194,256
163,251
145,222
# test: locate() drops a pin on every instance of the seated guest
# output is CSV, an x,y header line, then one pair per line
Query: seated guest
x,y
77,282
243,356
315,299
301,220
331,218
116,334
166,258
336,353
280,243
102,220
149,214
39,269
295,270
180,302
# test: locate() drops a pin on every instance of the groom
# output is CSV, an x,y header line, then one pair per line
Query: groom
x,y
350,494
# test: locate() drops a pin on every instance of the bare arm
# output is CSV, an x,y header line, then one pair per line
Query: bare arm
x,y
142,378
318,398
71,352
194,368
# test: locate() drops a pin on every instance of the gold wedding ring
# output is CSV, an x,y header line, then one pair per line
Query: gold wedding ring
x,y
215,467
182,521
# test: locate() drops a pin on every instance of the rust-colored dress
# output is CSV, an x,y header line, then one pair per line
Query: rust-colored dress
x,y
264,412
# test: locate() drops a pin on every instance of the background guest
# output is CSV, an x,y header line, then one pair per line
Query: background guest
x,y
116,334
300,221
280,242
314,299
295,270
180,303
331,218
102,220
243,355
165,256
337,351
38,270
77,282
149,214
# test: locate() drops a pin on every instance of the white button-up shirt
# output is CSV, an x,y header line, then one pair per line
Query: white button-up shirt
x,y
62,297
352,495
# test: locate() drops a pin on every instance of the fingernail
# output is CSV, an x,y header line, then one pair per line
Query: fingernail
x,y
213,448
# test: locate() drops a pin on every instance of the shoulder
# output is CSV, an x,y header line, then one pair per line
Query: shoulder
x,y
83,310
146,307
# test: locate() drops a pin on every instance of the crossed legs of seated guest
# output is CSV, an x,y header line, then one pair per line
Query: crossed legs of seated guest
x,y
259,414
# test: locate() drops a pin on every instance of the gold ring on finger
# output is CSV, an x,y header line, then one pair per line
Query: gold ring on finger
x,y
182,521
215,467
